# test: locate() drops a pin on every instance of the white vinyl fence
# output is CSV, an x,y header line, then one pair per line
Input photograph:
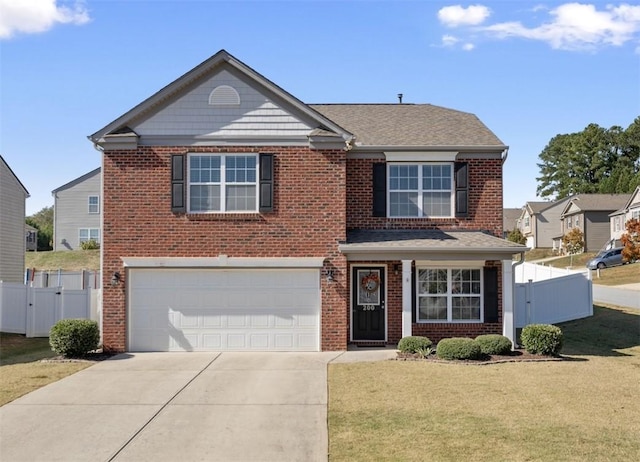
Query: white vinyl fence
x,y
83,279
551,295
34,310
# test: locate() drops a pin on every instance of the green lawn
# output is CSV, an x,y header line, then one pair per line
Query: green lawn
x,y
70,260
583,408
21,368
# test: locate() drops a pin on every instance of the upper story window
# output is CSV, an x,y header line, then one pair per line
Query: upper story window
x,y
420,190
94,204
223,183
527,221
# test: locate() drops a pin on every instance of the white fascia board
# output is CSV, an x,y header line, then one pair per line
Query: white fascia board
x,y
222,261
450,263
412,156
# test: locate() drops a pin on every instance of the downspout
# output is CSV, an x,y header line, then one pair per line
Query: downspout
x,y
513,296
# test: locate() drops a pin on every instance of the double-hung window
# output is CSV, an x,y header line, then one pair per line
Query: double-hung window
x,y
420,190
223,183
94,204
449,295
89,234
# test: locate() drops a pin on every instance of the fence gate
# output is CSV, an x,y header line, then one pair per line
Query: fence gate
x,y
43,306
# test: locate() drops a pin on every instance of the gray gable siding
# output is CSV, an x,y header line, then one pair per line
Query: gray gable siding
x,y
549,225
71,211
596,230
12,227
192,115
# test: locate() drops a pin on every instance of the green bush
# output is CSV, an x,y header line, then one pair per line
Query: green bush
x,y
542,339
90,245
74,337
458,348
494,344
414,343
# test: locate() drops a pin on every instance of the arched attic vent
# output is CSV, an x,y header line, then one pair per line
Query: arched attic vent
x,y
224,95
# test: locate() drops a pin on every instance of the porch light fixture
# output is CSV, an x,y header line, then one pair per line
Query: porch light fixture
x,y
329,274
116,279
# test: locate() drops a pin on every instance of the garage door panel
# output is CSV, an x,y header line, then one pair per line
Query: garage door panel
x,y
199,310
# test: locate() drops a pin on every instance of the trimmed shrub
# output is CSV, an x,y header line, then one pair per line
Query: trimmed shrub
x,y
74,337
90,245
414,343
542,339
494,344
458,348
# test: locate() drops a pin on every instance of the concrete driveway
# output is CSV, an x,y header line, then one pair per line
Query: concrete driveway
x,y
176,407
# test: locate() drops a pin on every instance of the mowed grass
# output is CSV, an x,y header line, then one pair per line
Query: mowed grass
x,y
583,408
21,368
70,260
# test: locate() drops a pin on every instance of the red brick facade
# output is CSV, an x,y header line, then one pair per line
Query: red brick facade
x,y
318,196
308,221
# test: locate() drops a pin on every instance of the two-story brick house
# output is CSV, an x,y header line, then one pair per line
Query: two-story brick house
x,y
237,217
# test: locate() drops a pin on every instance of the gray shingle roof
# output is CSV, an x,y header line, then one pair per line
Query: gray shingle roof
x,y
600,202
425,240
409,125
510,218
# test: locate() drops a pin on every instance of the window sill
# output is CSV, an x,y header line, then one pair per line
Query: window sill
x,y
253,216
470,321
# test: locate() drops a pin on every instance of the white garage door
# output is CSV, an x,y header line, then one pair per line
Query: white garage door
x,y
230,309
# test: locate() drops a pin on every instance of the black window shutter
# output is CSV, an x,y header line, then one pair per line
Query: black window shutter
x,y
379,190
178,189
462,189
266,183
490,294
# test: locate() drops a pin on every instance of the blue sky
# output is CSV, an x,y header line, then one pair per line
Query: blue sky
x,y
529,70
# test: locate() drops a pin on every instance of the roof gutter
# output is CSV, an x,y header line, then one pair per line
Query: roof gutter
x,y
505,155
479,148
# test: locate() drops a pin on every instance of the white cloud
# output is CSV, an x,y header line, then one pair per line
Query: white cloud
x,y
577,26
35,16
468,46
449,40
456,15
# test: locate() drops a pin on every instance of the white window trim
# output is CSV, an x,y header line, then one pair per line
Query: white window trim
x,y
421,191
89,235
89,204
222,183
449,295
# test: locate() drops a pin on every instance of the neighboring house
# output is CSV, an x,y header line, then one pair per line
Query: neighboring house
x,y
590,213
540,223
241,218
13,195
76,212
618,219
510,220
31,238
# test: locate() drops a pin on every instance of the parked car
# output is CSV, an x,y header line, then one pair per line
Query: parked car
x,y
606,258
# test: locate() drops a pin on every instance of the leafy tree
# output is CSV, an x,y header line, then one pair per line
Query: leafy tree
x,y
595,160
573,241
516,236
43,222
631,241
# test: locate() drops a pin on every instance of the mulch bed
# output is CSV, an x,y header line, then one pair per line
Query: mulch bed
x,y
515,356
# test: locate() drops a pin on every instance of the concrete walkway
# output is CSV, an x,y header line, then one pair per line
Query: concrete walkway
x,y
179,407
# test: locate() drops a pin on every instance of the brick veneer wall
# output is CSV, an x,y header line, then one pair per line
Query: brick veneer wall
x,y
435,331
308,220
485,200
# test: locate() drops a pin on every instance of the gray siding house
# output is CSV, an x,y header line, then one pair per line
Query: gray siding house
x,y
510,220
12,227
76,211
590,213
619,218
540,223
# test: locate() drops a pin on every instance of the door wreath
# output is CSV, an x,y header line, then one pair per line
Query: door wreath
x,y
370,282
